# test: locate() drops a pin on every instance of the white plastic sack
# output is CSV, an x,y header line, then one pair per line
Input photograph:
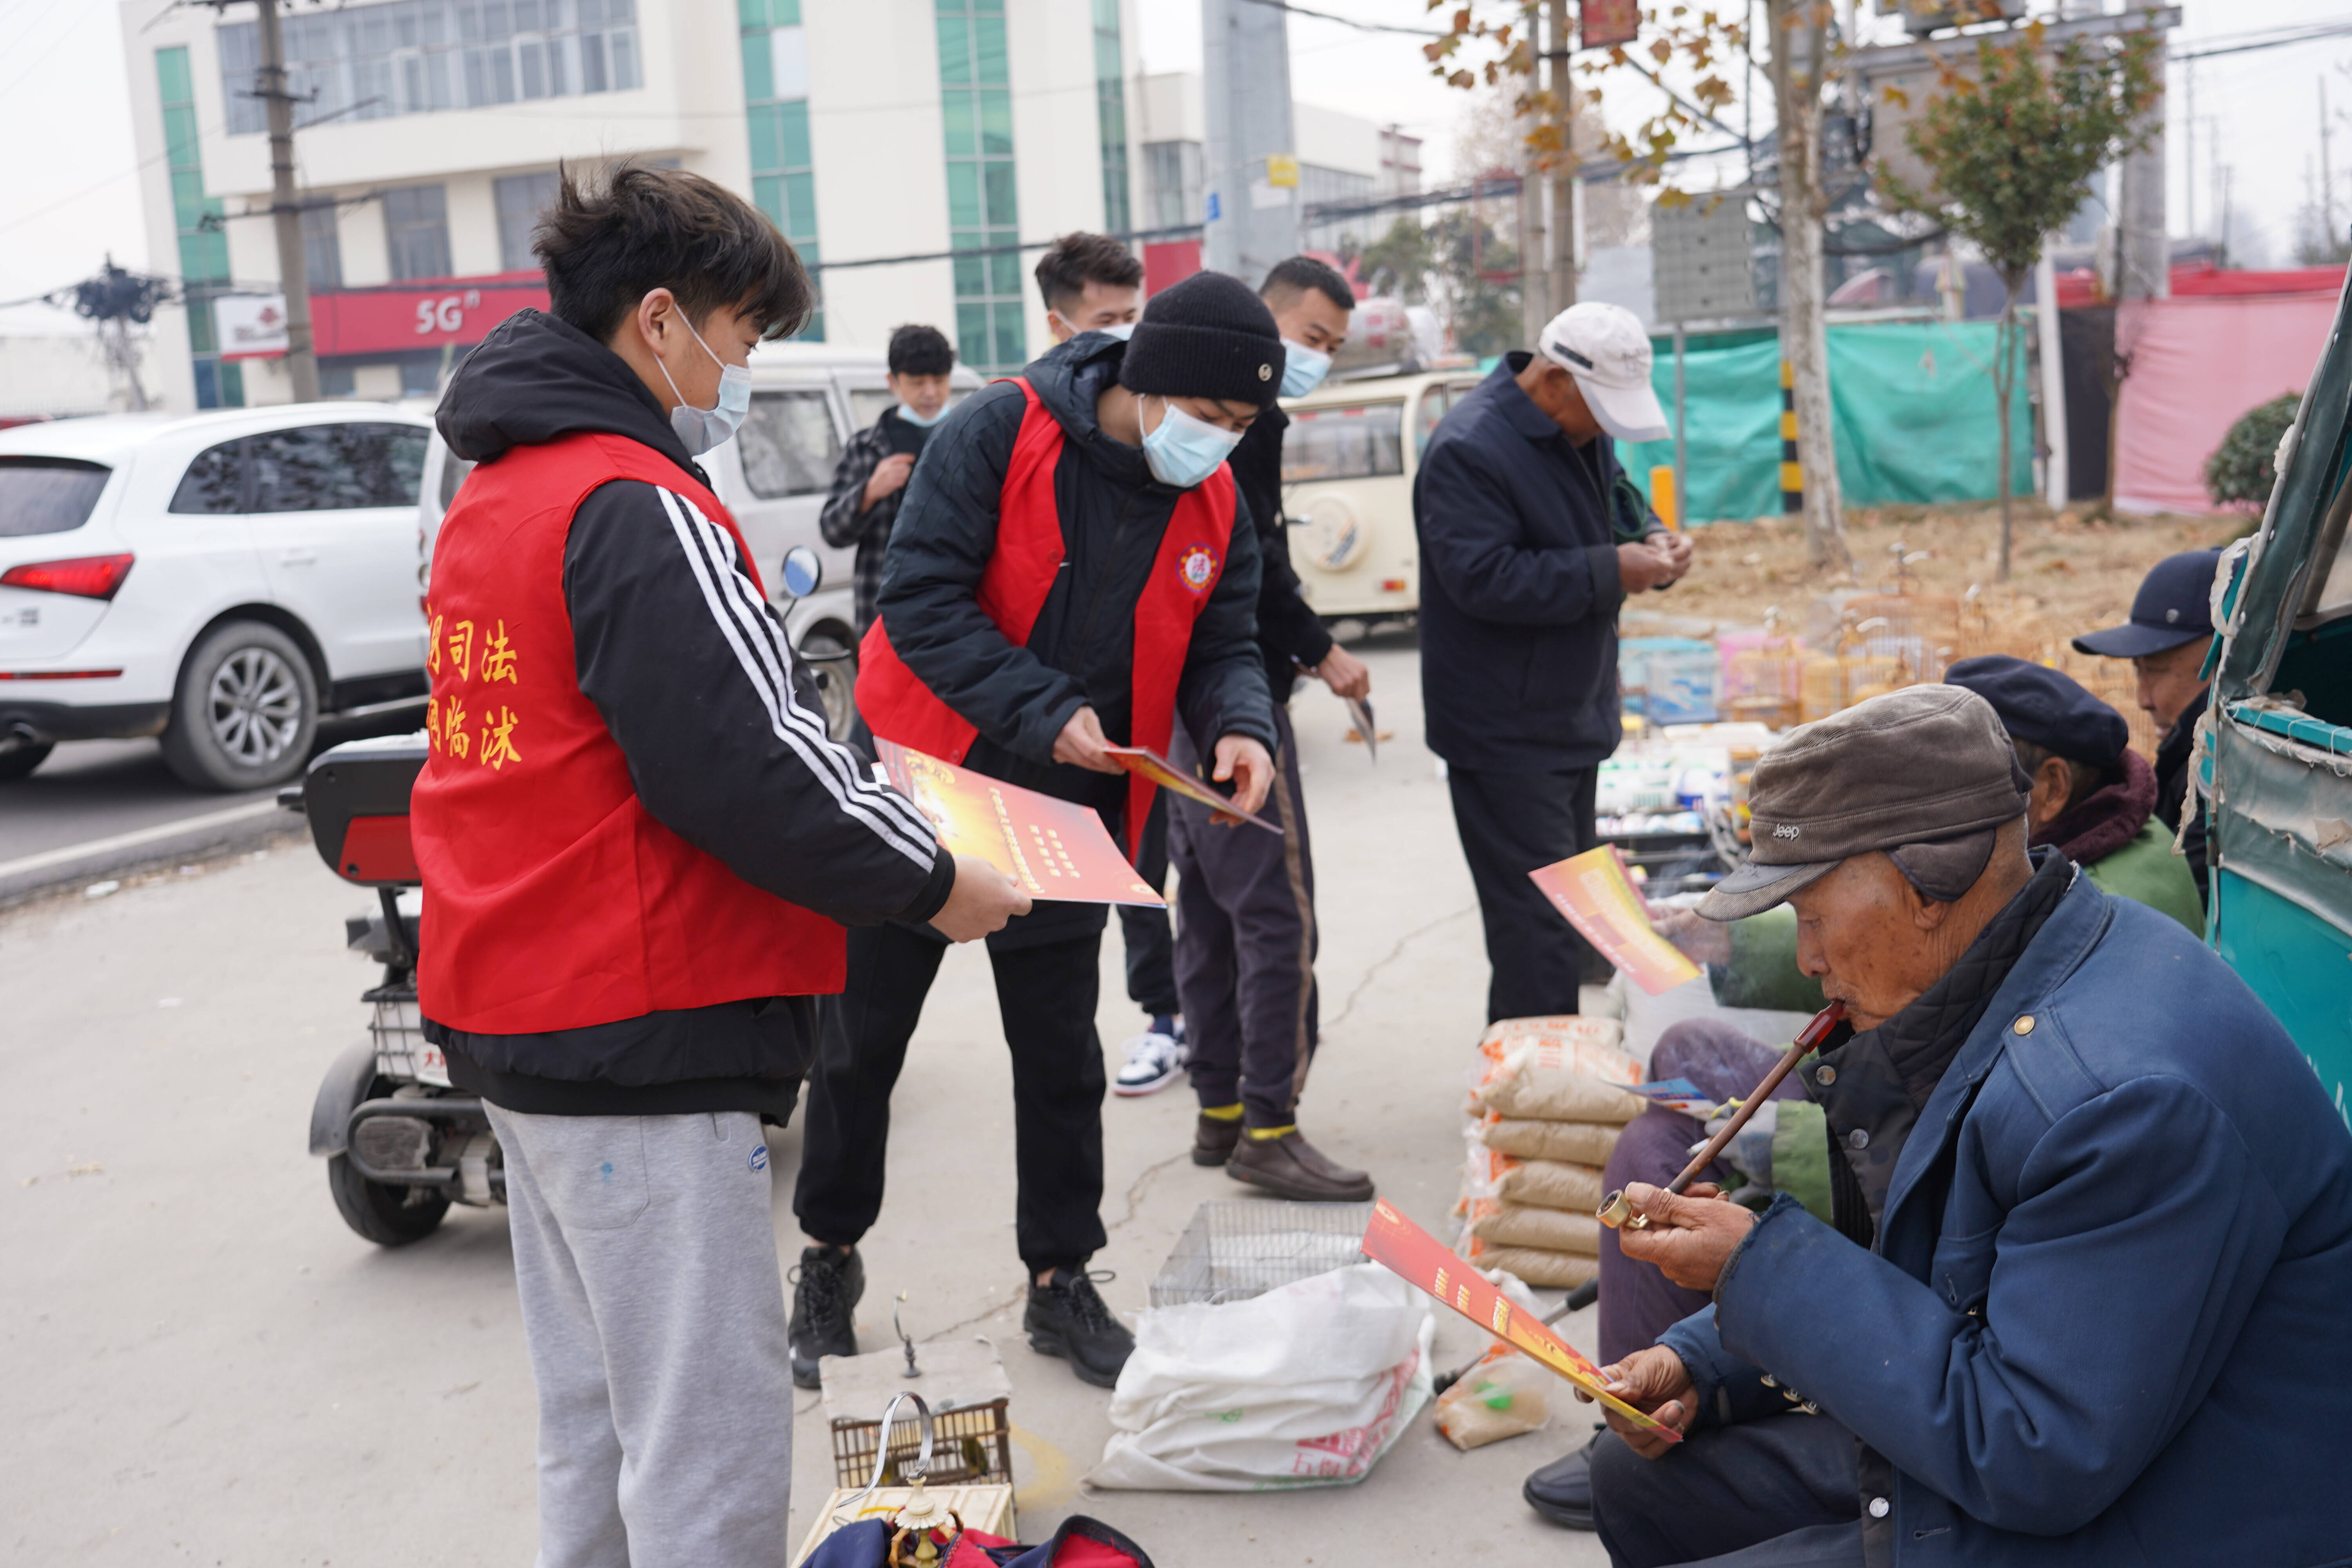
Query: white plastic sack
x,y
1306,1386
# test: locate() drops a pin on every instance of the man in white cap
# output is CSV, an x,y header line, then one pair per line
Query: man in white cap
x,y
1531,536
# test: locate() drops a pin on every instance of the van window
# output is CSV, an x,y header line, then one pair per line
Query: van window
x,y
789,445
1360,442
214,483
47,495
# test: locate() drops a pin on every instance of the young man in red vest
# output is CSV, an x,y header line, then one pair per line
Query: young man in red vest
x,y
1071,568
636,843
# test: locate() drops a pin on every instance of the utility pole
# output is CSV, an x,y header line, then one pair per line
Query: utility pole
x,y
2326,178
286,213
1562,292
2188,152
1800,47
1245,89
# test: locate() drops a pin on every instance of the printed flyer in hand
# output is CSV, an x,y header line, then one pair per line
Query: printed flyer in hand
x,y
1593,891
1404,1249
1054,848
1150,765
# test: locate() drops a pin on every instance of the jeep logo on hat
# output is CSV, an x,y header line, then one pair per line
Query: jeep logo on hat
x,y
1786,830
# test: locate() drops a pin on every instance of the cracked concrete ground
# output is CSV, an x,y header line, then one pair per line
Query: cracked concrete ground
x,y
205,1366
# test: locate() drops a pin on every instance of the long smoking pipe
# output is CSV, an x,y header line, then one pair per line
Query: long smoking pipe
x,y
1617,1214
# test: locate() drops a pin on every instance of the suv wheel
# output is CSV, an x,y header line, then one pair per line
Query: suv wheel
x,y
245,712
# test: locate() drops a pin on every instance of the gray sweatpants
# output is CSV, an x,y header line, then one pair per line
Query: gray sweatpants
x,y
645,1257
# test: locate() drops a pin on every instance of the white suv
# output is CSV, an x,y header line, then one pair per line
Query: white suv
x,y
219,580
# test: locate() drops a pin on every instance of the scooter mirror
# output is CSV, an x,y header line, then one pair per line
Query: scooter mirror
x,y
803,572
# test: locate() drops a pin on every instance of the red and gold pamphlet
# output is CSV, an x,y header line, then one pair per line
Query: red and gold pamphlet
x,y
1054,848
1593,891
1145,763
1404,1249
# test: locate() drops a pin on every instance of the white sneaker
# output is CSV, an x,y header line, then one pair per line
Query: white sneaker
x,y
1154,1060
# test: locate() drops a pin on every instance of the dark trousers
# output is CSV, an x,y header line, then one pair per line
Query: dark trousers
x,y
1781,1492
1045,996
1151,945
1637,1302
1512,823
1245,943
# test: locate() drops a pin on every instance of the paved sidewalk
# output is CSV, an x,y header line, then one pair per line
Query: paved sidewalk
x,y
205,1366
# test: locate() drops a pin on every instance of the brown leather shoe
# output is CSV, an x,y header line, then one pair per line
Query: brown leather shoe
x,y
1213,1140
1291,1167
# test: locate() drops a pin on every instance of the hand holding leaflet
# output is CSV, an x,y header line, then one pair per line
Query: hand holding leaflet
x,y
1593,892
1056,849
1145,763
1404,1249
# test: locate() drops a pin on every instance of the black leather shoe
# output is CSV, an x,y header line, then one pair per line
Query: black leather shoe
x,y
1067,1318
826,1289
1214,1139
1291,1167
1562,1490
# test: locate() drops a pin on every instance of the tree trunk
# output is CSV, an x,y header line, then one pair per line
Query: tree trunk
x,y
1804,317
2004,381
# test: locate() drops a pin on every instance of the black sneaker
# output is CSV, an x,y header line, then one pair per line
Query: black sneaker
x,y
1067,1318
826,1287
1562,1490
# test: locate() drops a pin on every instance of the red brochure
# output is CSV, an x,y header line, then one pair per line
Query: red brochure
x,y
1148,764
1593,891
1054,848
1404,1249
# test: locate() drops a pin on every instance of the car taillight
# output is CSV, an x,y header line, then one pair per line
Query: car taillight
x,y
85,576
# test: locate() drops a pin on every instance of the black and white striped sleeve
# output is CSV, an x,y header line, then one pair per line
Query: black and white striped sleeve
x,y
721,726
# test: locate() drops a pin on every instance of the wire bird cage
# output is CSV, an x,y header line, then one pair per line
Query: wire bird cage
x,y
1232,1251
971,1445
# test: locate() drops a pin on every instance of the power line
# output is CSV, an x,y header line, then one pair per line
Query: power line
x,y
1351,21
2251,42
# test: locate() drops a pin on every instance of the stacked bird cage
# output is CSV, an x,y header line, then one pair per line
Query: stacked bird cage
x,y
1232,1251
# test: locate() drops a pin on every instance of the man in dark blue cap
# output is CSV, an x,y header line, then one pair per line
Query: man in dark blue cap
x,y
2094,797
2167,639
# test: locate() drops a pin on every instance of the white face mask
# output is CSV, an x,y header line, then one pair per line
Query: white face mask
x,y
702,428
1122,330
1181,451
1303,369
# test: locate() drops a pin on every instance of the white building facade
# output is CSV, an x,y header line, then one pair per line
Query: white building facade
x,y
868,129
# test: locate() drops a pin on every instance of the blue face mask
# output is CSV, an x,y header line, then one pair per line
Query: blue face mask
x,y
924,421
1122,330
1184,450
1303,369
702,428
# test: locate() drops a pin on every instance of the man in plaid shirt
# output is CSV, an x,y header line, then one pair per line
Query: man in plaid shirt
x,y
873,468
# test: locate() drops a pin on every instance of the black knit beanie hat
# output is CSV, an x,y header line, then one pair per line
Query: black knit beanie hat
x,y
1208,336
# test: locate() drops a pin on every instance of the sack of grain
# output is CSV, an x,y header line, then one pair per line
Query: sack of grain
x,y
1568,1033
1576,1142
1550,1185
1524,1086
1552,1230
1550,1270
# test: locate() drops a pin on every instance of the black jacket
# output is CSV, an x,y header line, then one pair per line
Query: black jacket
x,y
2175,754
683,693
1290,633
1082,650
1519,585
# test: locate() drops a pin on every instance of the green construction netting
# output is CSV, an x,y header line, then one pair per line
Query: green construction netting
x,y
1915,414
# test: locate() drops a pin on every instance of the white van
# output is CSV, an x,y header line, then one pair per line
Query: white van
x,y
1348,465
807,400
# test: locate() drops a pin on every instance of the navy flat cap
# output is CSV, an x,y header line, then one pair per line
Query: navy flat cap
x,y
2043,708
2174,605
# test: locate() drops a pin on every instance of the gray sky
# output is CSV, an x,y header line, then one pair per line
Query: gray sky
x,y
69,190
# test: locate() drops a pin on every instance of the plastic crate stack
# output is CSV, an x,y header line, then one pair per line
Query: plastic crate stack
x,y
1548,1099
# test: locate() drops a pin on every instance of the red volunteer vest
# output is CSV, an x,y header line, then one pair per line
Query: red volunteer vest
x,y
552,899
896,706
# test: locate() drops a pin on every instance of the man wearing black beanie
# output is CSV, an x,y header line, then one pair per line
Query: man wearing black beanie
x,y
1072,568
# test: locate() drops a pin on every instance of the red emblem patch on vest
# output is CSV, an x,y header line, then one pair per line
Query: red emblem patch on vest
x,y
1199,565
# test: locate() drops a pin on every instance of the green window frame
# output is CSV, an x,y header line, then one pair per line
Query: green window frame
x,y
1110,108
984,196
775,110
195,220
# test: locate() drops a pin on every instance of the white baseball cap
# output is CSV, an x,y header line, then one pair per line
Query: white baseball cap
x,y
1604,347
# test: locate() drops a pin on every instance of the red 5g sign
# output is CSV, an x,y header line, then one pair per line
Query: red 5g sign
x,y
446,313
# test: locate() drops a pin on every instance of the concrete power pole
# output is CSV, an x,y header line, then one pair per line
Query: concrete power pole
x,y
1800,47
293,272
1253,220
1561,291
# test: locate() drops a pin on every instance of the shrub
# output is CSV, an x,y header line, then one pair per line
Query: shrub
x,y
2238,473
